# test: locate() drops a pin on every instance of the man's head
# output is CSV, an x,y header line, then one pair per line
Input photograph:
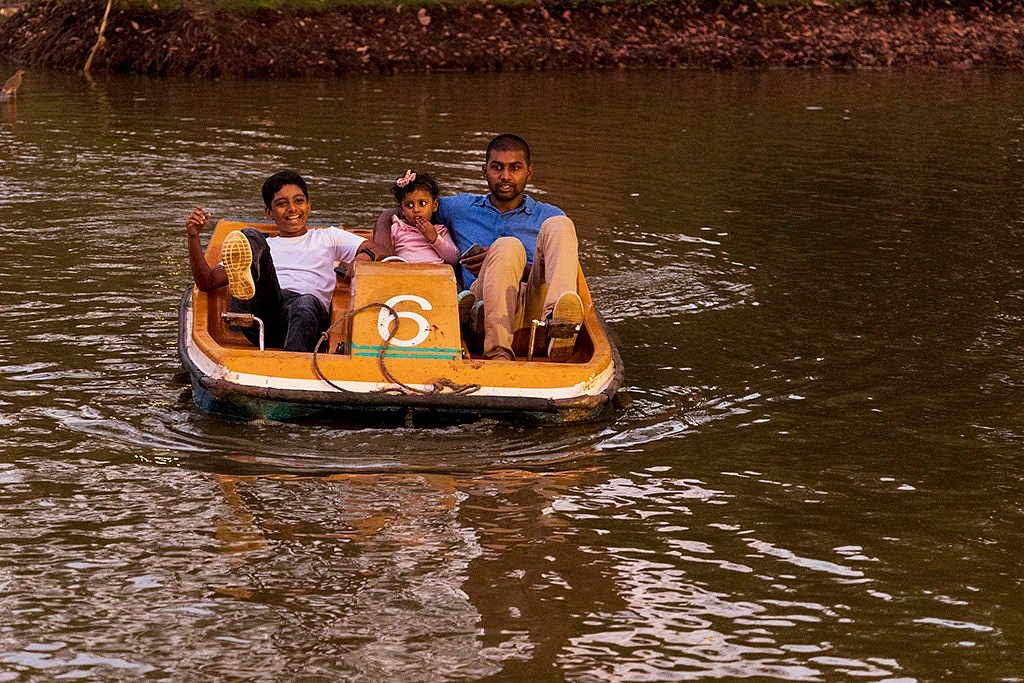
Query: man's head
x,y
507,169
287,200
507,142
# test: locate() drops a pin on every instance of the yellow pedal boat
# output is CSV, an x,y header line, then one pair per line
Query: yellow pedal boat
x,y
367,362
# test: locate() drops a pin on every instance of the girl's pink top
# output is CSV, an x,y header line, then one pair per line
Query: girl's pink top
x,y
414,247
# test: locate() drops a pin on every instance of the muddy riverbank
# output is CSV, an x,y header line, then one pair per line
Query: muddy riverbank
x,y
483,37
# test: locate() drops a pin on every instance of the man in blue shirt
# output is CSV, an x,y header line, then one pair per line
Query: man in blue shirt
x,y
529,261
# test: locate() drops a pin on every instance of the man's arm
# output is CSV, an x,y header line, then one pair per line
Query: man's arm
x,y
382,235
205,277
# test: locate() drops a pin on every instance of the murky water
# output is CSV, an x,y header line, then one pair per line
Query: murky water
x,y
813,472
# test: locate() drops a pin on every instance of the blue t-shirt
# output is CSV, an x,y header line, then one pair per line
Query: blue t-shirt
x,y
472,218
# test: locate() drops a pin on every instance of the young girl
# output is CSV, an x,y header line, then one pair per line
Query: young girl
x,y
413,236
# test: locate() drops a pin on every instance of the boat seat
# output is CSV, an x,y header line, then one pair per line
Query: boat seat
x,y
219,303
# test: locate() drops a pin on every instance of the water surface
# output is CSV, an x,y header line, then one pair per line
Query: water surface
x,y
811,473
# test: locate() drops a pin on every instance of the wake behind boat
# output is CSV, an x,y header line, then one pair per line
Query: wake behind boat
x,y
394,344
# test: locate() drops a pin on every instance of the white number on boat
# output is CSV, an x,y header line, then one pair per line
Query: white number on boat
x,y
384,320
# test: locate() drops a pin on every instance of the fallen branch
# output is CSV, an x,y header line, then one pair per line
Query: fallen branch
x,y
99,39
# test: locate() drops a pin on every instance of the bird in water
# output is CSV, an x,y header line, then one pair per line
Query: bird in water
x,y
11,85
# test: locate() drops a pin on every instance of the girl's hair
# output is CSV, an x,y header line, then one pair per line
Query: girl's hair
x,y
422,181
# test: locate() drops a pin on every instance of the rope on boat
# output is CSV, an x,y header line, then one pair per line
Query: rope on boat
x,y
441,385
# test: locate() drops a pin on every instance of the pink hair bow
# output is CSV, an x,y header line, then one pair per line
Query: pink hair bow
x,y
406,179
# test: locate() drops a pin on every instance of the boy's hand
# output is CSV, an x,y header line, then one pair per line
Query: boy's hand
x,y
196,221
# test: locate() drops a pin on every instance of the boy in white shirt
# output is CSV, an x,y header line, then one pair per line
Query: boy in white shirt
x,y
288,280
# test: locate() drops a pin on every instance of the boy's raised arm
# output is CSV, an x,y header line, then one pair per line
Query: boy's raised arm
x,y
206,278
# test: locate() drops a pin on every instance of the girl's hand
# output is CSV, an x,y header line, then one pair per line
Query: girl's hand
x,y
426,228
196,221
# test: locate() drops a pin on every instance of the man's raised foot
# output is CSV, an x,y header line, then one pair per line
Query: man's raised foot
x,y
563,325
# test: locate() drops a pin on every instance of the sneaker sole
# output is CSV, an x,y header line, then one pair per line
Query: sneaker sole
x,y
565,321
236,255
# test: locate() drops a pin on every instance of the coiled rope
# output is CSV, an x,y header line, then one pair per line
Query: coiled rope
x,y
440,385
